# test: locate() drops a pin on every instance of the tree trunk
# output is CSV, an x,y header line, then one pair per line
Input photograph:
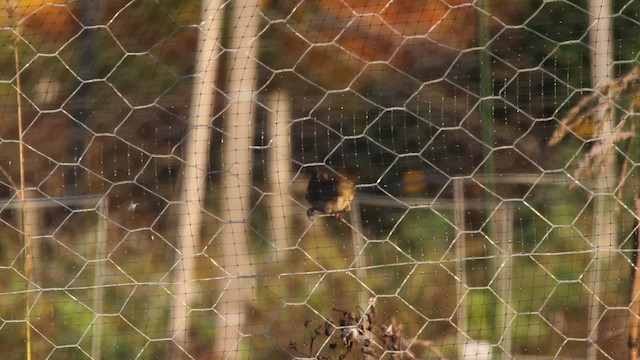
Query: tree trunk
x,y
196,160
236,182
604,225
280,205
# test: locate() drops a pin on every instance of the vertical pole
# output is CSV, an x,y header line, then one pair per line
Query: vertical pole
x,y
98,290
632,333
358,244
236,258
279,174
28,218
503,225
359,262
24,222
196,160
604,226
460,256
80,107
485,89
487,125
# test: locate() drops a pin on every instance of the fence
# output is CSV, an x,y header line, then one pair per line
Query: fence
x,y
154,156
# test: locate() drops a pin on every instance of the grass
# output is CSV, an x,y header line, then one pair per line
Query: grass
x,y
548,299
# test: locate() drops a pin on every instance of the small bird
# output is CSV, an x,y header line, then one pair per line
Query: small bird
x,y
329,195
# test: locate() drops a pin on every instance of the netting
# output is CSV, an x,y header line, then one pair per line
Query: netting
x,y
155,157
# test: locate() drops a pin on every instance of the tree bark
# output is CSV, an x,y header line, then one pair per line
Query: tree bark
x,y
196,160
604,224
236,181
280,205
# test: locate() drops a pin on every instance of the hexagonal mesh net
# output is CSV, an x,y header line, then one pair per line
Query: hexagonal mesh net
x,y
322,179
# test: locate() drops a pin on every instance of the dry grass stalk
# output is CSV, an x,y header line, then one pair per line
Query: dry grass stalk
x,y
361,336
602,98
606,99
10,8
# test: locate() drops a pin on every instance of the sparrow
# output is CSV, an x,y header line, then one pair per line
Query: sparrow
x,y
328,194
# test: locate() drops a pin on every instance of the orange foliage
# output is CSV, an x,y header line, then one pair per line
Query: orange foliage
x,y
376,29
50,19
26,7
413,182
370,38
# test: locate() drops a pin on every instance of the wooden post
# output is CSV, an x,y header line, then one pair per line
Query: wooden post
x,y
98,290
236,258
196,159
460,255
604,224
279,172
634,311
503,225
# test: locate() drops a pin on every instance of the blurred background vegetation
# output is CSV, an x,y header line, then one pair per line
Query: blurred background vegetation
x,y
386,92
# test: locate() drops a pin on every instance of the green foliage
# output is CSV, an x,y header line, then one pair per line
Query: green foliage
x,y
480,303
423,233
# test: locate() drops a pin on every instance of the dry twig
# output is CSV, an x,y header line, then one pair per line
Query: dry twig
x,y
604,99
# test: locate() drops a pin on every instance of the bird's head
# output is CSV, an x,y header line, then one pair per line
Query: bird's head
x,y
322,176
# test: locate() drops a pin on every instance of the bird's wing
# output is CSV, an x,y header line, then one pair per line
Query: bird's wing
x,y
321,190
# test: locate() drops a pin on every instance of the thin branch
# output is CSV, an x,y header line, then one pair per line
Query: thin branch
x,y
26,233
9,178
